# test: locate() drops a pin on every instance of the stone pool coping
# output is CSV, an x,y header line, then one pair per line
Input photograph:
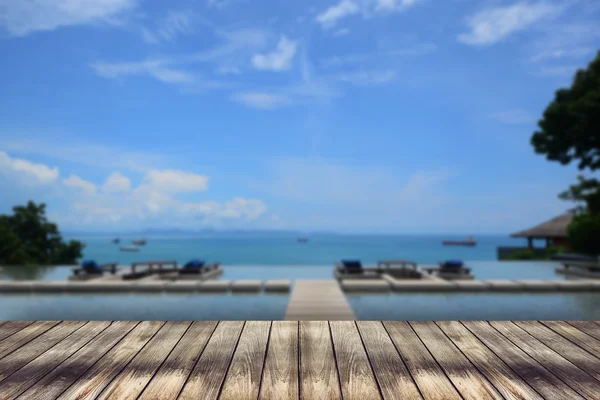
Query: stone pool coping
x,y
211,286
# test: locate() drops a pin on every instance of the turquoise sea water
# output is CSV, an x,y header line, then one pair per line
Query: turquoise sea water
x,y
285,250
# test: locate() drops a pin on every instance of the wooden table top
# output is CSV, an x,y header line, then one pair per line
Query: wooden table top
x,y
308,359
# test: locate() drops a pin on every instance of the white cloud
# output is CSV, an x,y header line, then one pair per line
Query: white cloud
x,y
492,25
75,181
346,8
158,69
22,17
559,71
561,54
367,78
33,173
175,181
278,60
73,150
514,117
265,101
341,32
175,23
333,14
117,183
411,49
238,208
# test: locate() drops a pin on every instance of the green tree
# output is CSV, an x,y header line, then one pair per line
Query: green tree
x,y
584,234
570,131
27,237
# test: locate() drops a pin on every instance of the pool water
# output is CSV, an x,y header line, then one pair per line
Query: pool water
x,y
481,269
460,306
134,307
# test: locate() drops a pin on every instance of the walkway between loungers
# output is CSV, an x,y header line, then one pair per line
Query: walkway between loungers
x,y
282,360
318,300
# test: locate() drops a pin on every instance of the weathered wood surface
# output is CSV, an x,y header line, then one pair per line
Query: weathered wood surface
x,y
300,360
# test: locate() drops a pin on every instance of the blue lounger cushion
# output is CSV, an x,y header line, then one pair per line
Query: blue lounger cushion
x,y
90,265
193,264
452,264
352,265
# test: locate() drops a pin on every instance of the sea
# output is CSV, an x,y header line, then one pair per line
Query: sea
x,y
278,249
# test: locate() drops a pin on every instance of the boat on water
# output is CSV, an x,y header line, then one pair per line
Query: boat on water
x,y
303,240
129,248
139,242
468,242
116,240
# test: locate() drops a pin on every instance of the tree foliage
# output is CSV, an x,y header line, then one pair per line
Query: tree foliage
x,y
28,238
584,234
570,131
570,127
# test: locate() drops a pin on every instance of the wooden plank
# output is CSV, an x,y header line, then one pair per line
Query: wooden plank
x,y
207,376
506,381
469,382
95,379
245,371
25,335
426,372
589,327
172,375
392,375
63,376
132,380
581,339
569,373
35,370
9,328
545,383
37,346
280,373
318,300
318,372
356,376
562,346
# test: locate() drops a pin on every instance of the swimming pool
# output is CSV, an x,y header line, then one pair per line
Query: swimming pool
x,y
134,307
481,269
460,306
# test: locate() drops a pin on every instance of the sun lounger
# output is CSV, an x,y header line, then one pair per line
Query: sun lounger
x,y
197,267
90,268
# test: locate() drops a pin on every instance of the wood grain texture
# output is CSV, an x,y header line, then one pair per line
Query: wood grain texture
x,y
356,376
63,376
545,383
209,373
95,379
504,379
589,327
580,338
174,372
318,300
9,328
569,373
245,372
562,346
469,382
29,351
33,371
25,335
280,372
132,380
318,372
428,375
392,375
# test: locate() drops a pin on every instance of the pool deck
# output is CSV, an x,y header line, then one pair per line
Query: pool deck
x,y
308,359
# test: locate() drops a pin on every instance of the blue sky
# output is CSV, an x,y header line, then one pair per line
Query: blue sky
x,y
353,115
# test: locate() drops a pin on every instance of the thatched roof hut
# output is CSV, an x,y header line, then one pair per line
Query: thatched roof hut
x,y
556,228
